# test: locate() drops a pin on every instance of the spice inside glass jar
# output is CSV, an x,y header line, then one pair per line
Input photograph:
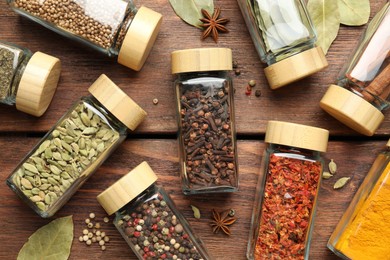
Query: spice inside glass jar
x,y
287,189
363,88
114,27
204,96
75,147
148,219
27,80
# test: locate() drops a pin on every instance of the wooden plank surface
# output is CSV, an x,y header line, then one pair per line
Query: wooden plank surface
x,y
18,221
81,66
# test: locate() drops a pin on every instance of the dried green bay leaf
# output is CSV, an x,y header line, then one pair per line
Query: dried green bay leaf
x,y
354,12
341,182
196,212
326,19
190,10
50,242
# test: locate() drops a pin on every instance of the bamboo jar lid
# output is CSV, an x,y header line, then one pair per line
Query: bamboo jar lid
x,y
38,84
295,67
296,135
117,102
351,110
127,188
140,38
202,59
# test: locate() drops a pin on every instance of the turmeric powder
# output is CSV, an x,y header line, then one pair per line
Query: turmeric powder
x,y
367,235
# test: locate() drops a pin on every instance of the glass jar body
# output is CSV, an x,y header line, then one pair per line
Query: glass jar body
x,y
285,203
207,136
279,29
153,227
362,232
13,61
67,156
99,24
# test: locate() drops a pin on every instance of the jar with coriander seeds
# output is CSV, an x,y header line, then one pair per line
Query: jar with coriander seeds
x,y
284,37
27,80
113,27
75,147
205,105
148,219
286,193
362,90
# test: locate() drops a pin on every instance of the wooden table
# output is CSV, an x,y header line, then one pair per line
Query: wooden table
x,y
155,140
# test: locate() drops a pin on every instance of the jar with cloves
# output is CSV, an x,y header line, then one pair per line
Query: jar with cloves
x,y
363,87
148,219
207,137
75,147
27,80
286,193
116,28
284,38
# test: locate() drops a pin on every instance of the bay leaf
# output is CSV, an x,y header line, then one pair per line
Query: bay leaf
x,y
354,12
50,242
190,10
326,19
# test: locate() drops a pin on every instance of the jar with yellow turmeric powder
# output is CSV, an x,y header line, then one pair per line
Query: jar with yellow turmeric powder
x,y
363,231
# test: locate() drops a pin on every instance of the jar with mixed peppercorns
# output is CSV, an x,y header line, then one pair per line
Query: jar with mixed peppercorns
x,y
285,204
114,27
148,219
204,95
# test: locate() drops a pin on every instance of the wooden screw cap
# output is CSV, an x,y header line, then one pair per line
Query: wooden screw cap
x,y
295,67
140,38
296,135
117,102
38,84
127,188
202,59
351,110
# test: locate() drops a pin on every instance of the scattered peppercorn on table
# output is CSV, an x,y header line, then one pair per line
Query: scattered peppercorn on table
x,y
155,140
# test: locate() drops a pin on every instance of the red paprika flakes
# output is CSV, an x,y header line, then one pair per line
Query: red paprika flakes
x,y
289,180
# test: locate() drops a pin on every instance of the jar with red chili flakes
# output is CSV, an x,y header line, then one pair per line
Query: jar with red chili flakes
x,y
285,205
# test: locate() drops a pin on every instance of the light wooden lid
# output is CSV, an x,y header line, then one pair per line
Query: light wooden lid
x,y
296,135
38,84
295,67
117,102
140,38
351,110
127,188
202,59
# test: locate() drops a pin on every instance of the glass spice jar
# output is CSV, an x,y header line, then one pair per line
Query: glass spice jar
x,y
113,27
75,147
148,219
363,231
363,87
27,80
207,136
284,38
286,193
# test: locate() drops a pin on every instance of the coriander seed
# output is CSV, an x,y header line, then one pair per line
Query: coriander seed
x,y
106,219
85,231
91,215
90,225
101,242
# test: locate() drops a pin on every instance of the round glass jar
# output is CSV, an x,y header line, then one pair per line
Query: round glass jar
x,y
114,27
286,193
363,231
148,219
363,87
27,80
75,147
284,38
207,136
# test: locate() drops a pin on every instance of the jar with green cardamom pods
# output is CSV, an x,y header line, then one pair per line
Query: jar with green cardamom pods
x,y
75,147
27,80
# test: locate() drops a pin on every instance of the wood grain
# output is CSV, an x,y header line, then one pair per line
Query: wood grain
x,y
18,221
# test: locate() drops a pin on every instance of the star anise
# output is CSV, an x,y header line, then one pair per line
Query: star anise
x,y
212,24
222,221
